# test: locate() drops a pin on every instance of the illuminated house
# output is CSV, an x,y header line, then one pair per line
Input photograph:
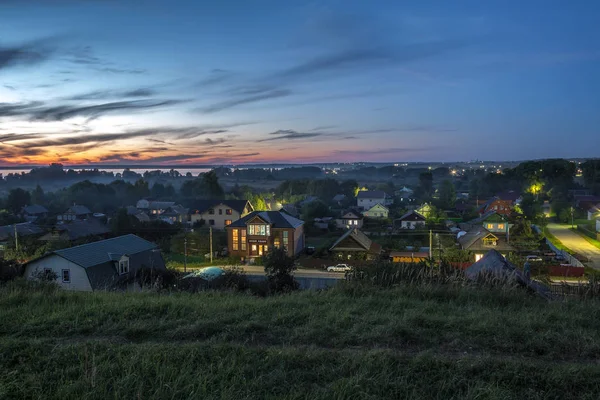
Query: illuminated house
x,y
259,231
479,241
355,245
350,219
219,213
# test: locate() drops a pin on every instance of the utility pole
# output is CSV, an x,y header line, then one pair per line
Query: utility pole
x,y
16,238
430,244
572,212
210,243
185,254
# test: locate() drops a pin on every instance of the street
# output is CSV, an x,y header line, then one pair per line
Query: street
x,y
576,243
299,273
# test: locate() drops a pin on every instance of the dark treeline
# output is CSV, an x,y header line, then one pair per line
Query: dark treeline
x,y
270,173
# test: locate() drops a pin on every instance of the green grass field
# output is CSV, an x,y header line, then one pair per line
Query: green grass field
x,y
346,343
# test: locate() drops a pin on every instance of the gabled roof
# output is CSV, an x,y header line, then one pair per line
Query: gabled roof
x,y
339,197
412,216
290,209
80,229
35,209
23,229
353,214
204,205
277,219
494,263
470,240
371,194
360,239
485,217
378,205
78,209
91,254
160,205
509,195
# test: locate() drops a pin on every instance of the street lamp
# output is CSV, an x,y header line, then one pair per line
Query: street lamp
x,y
572,212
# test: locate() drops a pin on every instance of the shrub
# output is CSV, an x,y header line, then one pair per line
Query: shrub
x,y
278,269
10,270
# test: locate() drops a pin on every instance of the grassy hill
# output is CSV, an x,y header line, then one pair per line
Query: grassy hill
x,y
346,343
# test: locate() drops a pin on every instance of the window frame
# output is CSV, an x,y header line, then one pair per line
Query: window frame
x,y
68,271
124,266
235,240
229,211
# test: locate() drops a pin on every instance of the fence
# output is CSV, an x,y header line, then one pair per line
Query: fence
x,y
567,256
588,233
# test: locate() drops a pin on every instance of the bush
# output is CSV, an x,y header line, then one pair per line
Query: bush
x,y
278,269
10,270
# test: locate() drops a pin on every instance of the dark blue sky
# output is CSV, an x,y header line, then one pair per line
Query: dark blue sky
x,y
185,81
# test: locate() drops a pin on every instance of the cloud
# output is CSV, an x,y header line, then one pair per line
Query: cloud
x,y
236,101
37,111
289,134
111,94
216,76
393,150
80,139
214,141
13,137
85,56
9,87
27,54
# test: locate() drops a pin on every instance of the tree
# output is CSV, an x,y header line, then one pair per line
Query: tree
x,y
17,199
447,194
314,209
425,188
123,223
158,190
37,196
530,207
278,269
212,186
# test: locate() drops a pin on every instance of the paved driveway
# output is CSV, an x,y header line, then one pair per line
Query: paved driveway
x,y
576,243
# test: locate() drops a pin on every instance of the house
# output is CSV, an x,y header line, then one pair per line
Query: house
x,y
406,195
584,202
503,207
378,211
254,234
98,265
511,196
546,208
33,212
173,214
479,241
410,220
75,212
593,212
154,208
350,219
425,210
75,230
322,223
7,232
408,256
138,214
354,244
491,221
368,198
219,213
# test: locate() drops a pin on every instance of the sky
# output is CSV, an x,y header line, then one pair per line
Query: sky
x,y
237,82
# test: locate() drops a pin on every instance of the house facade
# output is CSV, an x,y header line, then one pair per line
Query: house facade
x,y
369,198
75,212
350,219
410,220
98,265
355,245
479,241
502,207
378,211
491,221
219,213
33,212
254,234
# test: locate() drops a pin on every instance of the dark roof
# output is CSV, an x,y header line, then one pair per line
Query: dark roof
x,y
23,229
509,195
290,209
371,194
103,251
360,238
35,209
78,210
412,216
485,217
356,213
472,240
160,205
80,229
204,205
276,218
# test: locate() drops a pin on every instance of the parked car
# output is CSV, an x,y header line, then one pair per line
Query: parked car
x,y
339,268
534,259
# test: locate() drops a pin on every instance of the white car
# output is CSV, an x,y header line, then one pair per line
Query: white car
x,y
339,268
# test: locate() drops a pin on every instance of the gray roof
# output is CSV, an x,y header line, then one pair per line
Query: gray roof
x,y
78,209
360,238
80,229
371,194
35,209
103,251
237,205
160,205
23,229
412,216
475,235
494,263
277,219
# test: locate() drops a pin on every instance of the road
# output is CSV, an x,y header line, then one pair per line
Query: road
x,y
300,273
576,243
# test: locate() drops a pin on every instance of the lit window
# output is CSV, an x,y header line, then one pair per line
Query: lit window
x,y
490,226
229,211
227,222
243,238
285,239
500,226
276,242
66,275
123,267
235,241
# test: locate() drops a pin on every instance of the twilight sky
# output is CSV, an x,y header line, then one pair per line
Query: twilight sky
x,y
245,81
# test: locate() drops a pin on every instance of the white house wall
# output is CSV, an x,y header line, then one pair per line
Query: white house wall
x,y
79,278
218,218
